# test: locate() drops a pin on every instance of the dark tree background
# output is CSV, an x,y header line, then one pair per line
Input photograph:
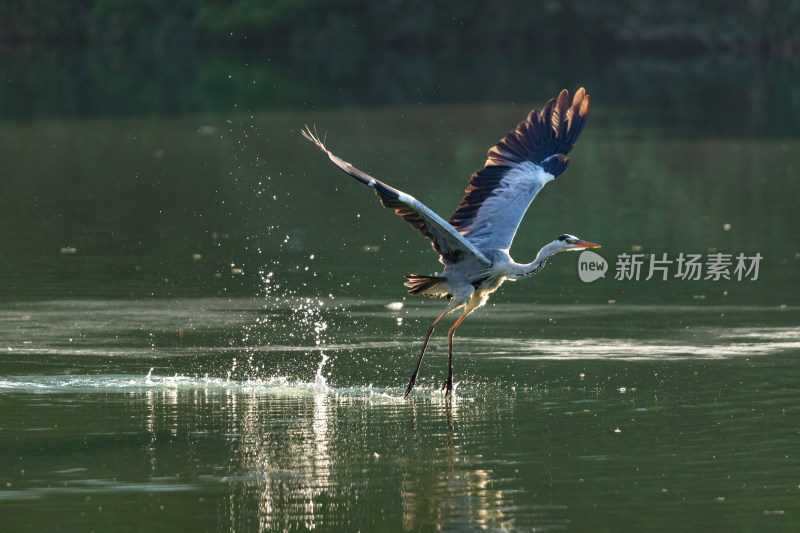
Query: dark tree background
x,y
140,57
743,26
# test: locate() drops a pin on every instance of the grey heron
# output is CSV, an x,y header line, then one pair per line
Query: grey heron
x,y
473,245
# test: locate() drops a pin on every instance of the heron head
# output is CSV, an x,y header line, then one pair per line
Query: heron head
x,y
571,242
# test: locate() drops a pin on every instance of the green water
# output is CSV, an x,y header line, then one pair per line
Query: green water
x,y
194,332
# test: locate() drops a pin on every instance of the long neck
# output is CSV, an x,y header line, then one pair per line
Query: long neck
x,y
529,269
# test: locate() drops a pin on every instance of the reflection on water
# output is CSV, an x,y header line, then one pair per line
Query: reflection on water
x,y
586,442
552,427
283,465
292,455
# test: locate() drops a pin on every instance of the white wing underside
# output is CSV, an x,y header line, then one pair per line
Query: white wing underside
x,y
500,214
442,232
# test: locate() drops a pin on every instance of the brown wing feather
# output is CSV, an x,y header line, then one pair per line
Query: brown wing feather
x,y
544,138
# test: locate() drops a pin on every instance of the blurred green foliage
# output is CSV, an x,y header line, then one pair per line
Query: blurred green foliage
x,y
762,26
689,63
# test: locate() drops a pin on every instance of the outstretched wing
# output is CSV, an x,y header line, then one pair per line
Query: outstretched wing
x,y
516,170
447,242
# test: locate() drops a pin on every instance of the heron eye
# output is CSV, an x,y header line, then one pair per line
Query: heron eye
x,y
571,241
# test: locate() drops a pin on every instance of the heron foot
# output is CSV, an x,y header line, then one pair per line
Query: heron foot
x,y
410,385
447,387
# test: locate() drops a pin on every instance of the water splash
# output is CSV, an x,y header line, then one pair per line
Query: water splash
x,y
319,340
319,379
169,384
286,319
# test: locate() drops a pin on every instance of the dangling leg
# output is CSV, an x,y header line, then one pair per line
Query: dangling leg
x,y
448,385
424,345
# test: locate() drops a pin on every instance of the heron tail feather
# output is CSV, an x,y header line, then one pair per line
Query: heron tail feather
x,y
432,286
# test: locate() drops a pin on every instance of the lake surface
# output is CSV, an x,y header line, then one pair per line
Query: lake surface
x,y
194,331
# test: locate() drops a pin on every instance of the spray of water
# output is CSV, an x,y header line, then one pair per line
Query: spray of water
x,y
287,320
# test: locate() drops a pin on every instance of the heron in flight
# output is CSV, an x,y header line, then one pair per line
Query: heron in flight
x,y
473,245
